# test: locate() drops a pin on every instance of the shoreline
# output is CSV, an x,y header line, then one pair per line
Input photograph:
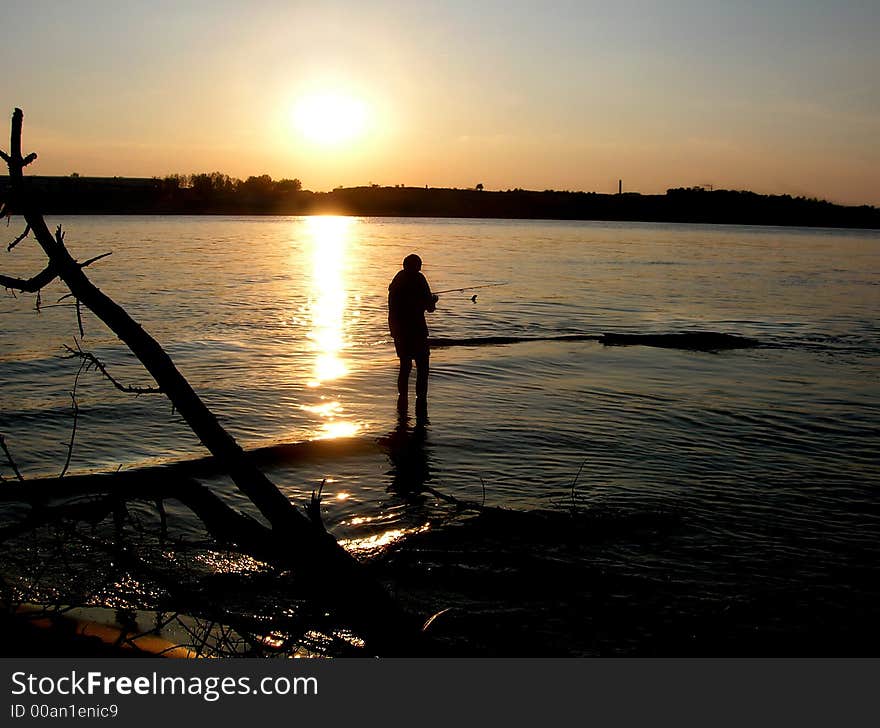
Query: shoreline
x,y
610,221
178,196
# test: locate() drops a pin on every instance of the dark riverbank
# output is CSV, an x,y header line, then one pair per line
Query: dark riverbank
x,y
219,194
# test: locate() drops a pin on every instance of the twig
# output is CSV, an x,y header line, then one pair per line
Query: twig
x,y
313,508
457,502
93,361
19,238
93,260
163,520
131,637
574,483
9,459
75,407
79,319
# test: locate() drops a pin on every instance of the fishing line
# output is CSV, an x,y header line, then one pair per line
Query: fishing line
x,y
470,288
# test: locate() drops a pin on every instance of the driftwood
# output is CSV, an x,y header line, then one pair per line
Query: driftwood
x,y
292,539
92,498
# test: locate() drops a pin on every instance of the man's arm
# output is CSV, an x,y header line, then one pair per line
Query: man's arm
x,y
430,298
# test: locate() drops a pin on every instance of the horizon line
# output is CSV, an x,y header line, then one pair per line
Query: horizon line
x,y
370,185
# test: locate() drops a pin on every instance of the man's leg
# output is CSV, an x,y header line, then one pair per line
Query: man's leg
x,y
403,376
422,376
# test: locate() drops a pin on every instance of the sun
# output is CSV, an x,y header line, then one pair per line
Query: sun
x,y
330,118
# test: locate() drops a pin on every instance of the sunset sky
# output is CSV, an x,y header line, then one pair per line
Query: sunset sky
x,y
778,96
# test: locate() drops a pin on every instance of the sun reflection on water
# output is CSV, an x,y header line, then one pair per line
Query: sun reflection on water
x,y
378,541
339,428
330,237
324,410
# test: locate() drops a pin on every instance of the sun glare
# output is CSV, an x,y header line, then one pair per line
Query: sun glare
x,y
330,118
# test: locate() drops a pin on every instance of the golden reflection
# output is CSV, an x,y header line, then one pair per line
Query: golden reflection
x,y
325,410
339,428
329,237
379,540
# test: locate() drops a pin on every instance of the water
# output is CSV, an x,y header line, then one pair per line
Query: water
x,y
757,467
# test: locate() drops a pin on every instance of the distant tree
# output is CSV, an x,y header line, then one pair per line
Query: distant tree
x,y
208,183
174,182
480,187
289,185
74,174
261,184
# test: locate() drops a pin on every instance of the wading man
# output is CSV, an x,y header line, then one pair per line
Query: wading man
x,y
409,296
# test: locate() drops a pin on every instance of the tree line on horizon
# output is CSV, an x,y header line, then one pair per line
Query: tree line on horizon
x,y
215,188
218,193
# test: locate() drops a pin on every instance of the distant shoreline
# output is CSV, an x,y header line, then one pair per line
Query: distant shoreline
x,y
220,195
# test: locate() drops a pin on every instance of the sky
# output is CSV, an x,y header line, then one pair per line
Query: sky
x,y
778,96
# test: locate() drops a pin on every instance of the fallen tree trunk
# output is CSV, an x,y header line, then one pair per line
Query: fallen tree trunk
x,y
223,523
327,567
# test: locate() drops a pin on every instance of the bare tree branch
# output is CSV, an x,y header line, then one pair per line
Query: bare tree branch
x,y
96,258
79,319
30,285
10,461
313,507
43,278
14,159
75,407
91,361
21,237
221,521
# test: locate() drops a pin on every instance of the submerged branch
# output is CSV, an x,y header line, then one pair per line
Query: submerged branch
x,y
221,521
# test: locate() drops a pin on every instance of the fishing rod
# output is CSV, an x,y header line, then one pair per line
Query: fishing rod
x,y
470,288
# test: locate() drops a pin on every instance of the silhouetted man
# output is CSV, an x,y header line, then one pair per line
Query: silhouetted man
x,y
409,296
